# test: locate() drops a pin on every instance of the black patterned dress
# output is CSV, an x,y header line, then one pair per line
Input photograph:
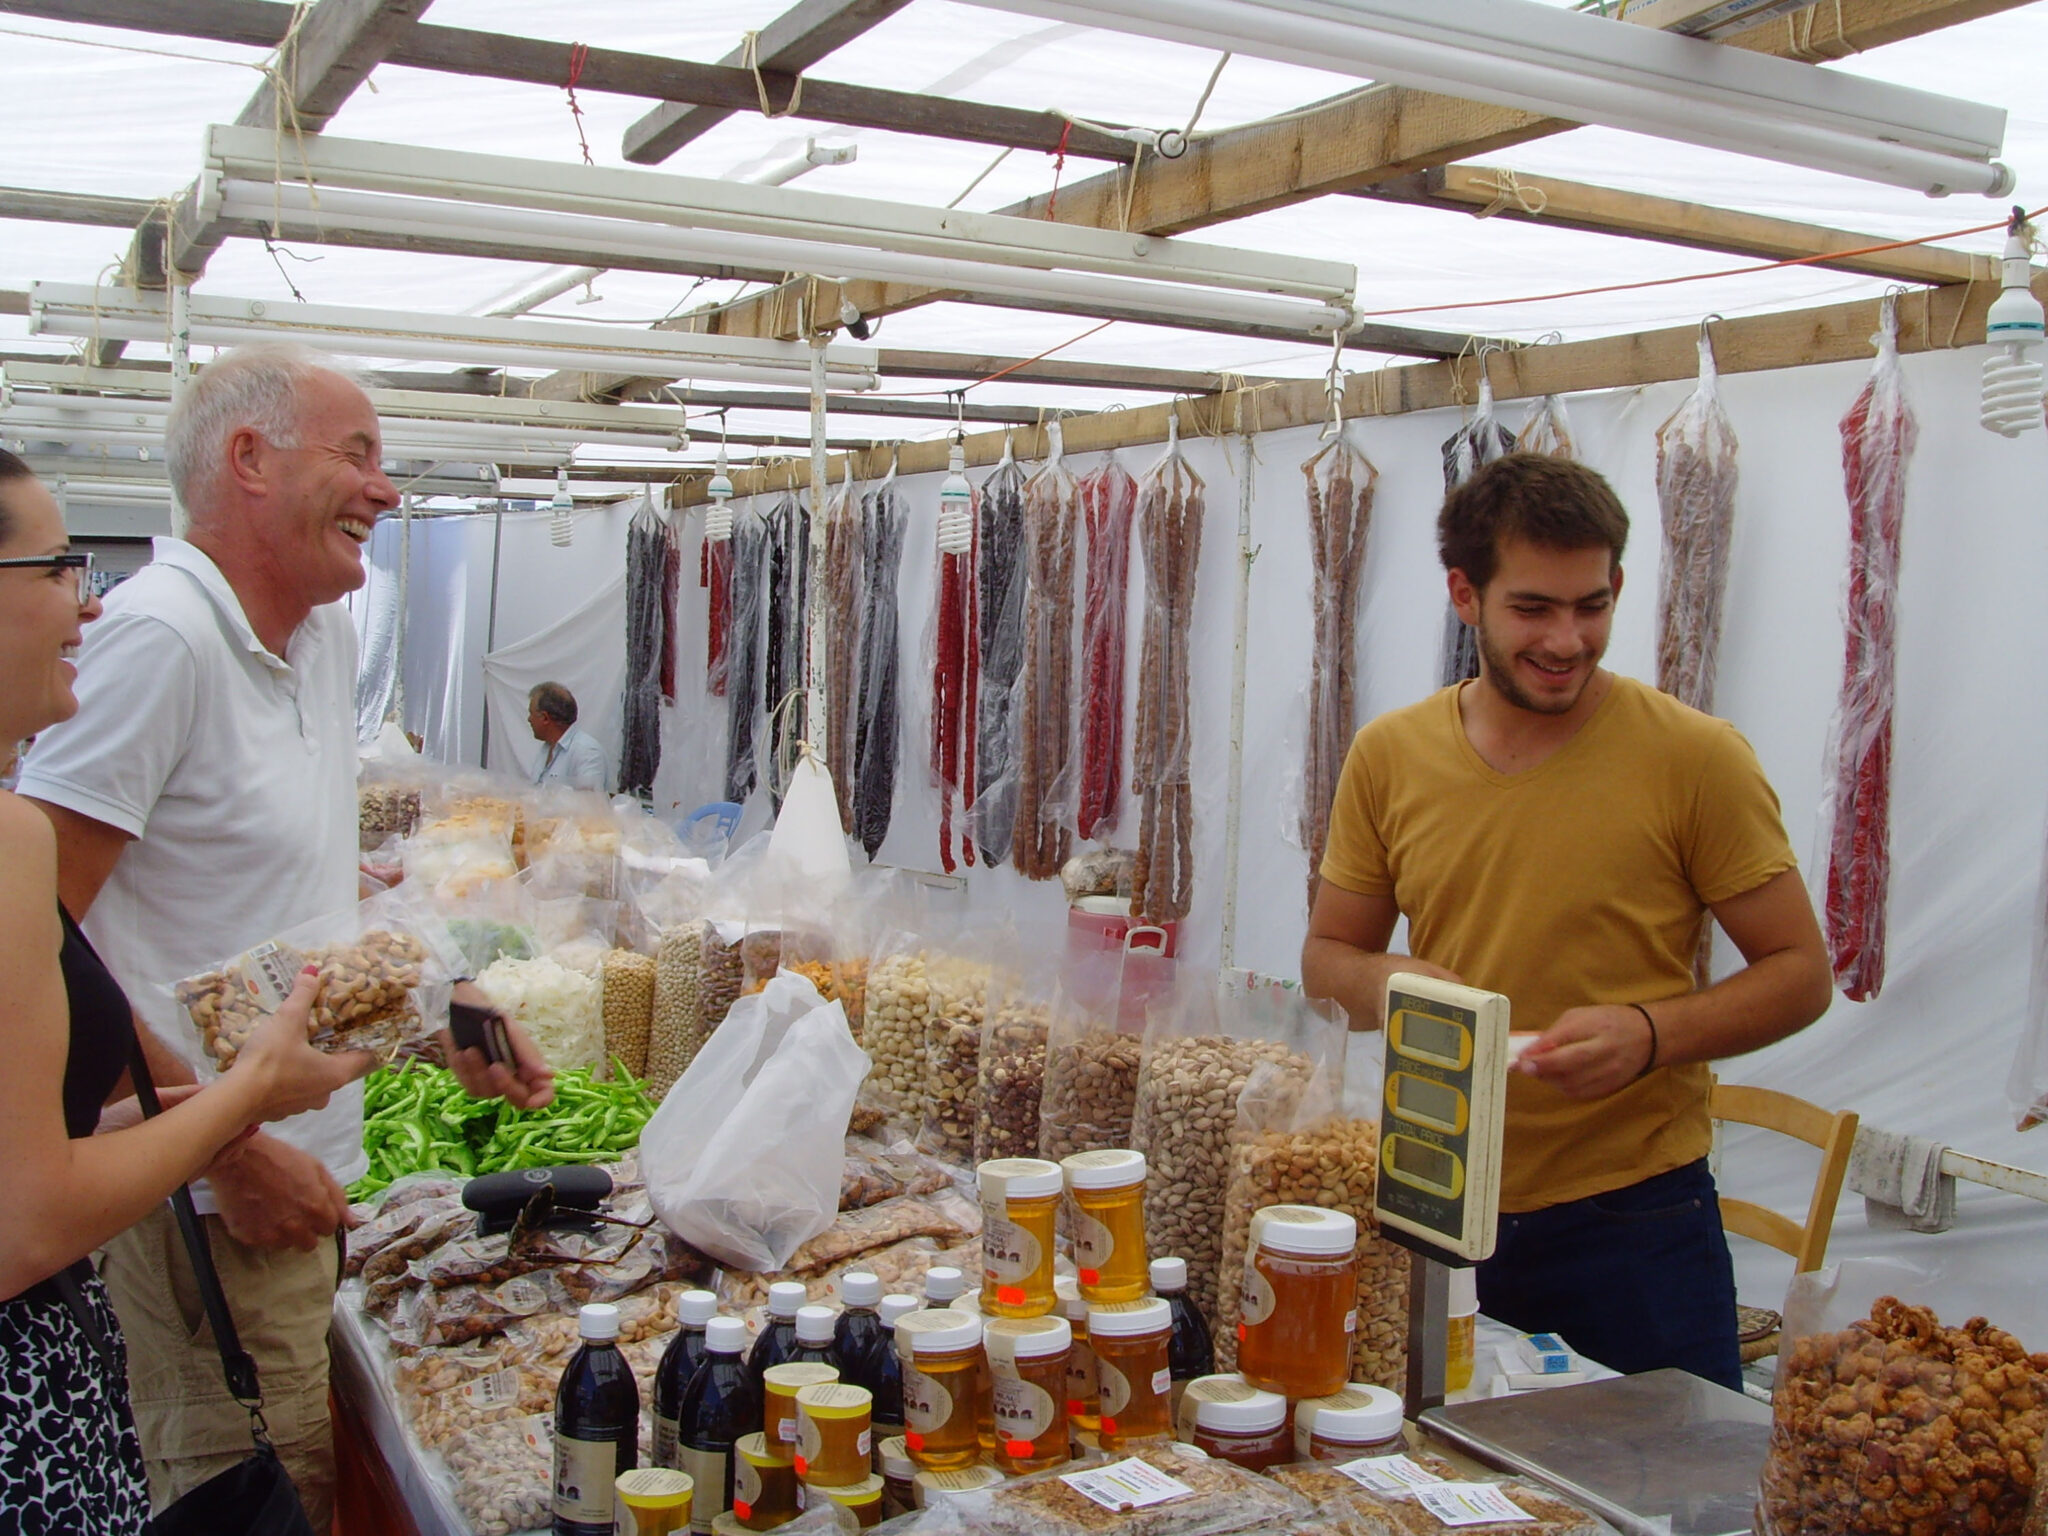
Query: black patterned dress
x,y
69,1459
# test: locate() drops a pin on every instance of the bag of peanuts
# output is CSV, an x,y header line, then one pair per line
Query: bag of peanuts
x,y
1091,1064
386,968
1200,1048
1294,1145
1885,1421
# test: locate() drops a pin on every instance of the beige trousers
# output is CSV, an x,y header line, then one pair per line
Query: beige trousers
x,y
191,1428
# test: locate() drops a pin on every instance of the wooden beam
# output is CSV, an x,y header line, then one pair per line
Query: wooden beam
x,y
1934,319
1057,371
1496,193
534,61
71,207
800,37
1358,140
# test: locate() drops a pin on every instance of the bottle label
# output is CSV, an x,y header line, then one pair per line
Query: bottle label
x,y
1082,1382
1115,1386
1351,1321
1023,1409
808,1442
665,1429
1009,1254
746,1487
927,1405
711,1471
1162,1382
785,1431
1094,1243
1259,1300
585,1471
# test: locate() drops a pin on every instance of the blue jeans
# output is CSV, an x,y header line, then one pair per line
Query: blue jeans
x,y
1638,1278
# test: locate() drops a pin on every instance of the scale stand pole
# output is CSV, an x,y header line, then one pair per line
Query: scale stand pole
x,y
1429,1333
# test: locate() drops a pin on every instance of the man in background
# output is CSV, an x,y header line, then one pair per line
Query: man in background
x,y
574,760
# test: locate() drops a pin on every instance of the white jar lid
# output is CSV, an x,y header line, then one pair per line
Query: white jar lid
x,y
1361,1414
937,1331
896,1462
1169,1275
895,1305
858,1288
696,1308
1248,1413
725,1336
1108,1169
1020,1178
598,1320
1127,1319
1305,1229
942,1282
814,1325
785,1296
1026,1338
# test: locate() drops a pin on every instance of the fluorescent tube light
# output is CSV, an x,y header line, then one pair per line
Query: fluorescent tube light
x,y
57,309
699,205
536,235
430,477
1574,65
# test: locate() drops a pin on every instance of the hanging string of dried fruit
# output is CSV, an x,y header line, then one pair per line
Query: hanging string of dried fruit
x,y
1108,497
1045,717
1169,517
1466,451
1000,580
1548,430
1696,476
956,682
1877,444
714,575
1341,483
789,601
883,517
646,558
842,639
745,621
671,595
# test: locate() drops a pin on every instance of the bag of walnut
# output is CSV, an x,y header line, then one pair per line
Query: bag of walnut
x,y
1201,1046
1021,1002
1294,1145
1883,1421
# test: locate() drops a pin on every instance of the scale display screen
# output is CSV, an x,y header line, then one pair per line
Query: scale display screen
x,y
1424,1035
1425,1164
1431,1102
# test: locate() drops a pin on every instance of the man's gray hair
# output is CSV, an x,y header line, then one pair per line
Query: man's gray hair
x,y
554,701
255,386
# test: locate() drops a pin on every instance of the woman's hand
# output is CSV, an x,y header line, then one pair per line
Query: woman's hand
x,y
293,1076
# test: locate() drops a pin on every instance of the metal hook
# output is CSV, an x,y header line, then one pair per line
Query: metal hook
x,y
1333,390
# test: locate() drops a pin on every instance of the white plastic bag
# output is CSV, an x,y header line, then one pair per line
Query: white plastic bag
x,y
742,1159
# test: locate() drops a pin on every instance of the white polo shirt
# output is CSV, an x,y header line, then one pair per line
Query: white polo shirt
x,y
576,762
234,771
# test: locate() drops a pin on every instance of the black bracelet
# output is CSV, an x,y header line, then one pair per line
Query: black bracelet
x,y
1650,1065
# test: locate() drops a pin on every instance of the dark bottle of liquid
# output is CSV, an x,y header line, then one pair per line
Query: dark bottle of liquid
x,y
777,1343
887,1385
861,1337
943,1285
816,1330
678,1364
1190,1352
597,1426
722,1404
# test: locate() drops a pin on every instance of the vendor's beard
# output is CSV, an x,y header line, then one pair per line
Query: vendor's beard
x,y
1499,672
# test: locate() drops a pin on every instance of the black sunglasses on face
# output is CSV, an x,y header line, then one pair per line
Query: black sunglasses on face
x,y
77,561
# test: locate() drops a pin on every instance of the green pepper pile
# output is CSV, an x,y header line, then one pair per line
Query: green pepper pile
x,y
419,1118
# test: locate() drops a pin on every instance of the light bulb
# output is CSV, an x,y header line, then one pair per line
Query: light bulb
x,y
956,506
2012,381
562,522
718,520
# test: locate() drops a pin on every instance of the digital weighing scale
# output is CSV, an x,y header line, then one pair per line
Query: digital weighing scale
x,y
1438,1189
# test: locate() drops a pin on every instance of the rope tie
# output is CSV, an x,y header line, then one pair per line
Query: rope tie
x,y
1508,192
579,55
750,59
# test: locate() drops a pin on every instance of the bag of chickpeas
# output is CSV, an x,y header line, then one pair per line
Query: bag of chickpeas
x,y
1293,1144
1885,1420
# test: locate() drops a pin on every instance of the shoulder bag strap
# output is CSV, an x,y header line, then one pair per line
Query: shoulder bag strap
x,y
236,1362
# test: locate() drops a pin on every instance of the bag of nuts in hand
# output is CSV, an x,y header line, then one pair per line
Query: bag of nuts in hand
x,y
1294,1146
1200,1049
386,967
1883,1421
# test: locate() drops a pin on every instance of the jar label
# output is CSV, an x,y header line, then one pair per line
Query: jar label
x,y
711,1472
585,1471
1162,1382
1009,1254
785,1431
664,1441
1258,1297
746,1487
1023,1409
809,1443
1082,1385
1351,1321
1115,1387
927,1405
1093,1245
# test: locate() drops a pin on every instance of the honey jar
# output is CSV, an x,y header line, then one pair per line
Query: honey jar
x,y
1107,1193
779,1388
863,1500
1300,1301
1241,1424
1027,1367
936,1487
941,1354
1130,1339
763,1485
1084,1395
1020,1201
1361,1420
834,1440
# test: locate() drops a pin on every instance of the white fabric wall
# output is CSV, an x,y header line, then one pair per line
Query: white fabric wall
x,y
1930,1056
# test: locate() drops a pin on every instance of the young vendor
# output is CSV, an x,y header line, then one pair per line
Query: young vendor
x,y
1559,834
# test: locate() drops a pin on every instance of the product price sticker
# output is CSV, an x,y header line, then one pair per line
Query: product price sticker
x,y
1469,1504
1126,1485
539,1432
1389,1474
500,1389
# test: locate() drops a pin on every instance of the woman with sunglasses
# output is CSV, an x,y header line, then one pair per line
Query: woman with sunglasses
x,y
69,1459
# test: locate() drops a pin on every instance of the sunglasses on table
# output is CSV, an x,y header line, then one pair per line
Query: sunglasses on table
x,y
78,562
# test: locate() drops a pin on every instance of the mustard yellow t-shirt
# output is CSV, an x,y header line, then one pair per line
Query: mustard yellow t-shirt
x,y
1583,880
